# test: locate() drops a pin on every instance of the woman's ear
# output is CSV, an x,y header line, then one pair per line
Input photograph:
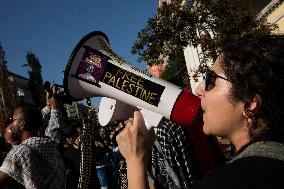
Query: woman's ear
x,y
253,106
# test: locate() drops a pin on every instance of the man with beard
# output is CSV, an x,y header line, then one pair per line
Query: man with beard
x,y
33,162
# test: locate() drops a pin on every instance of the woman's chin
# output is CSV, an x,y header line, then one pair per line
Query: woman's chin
x,y
205,129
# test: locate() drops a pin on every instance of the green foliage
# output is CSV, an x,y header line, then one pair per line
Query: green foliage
x,y
35,84
179,24
174,69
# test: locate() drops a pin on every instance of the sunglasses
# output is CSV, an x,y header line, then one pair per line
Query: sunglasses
x,y
210,78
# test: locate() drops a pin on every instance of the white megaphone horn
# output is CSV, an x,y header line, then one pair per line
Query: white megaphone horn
x,y
95,70
114,110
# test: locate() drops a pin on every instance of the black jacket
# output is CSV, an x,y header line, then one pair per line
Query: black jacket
x,y
259,166
248,172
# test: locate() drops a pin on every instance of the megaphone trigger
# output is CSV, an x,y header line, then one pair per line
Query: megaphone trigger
x,y
145,126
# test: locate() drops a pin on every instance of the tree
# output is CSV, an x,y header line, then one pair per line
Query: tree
x,y
175,69
204,23
35,84
7,100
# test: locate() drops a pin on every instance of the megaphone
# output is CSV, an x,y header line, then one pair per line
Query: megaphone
x,y
95,70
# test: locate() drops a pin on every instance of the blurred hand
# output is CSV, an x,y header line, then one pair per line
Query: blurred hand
x,y
134,145
47,98
54,100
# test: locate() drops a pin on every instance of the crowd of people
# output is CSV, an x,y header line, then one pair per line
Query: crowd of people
x,y
34,160
241,99
42,149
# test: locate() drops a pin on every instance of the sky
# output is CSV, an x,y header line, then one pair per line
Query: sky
x,y
51,29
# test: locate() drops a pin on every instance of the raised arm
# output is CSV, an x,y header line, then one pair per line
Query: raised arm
x,y
45,116
55,123
135,146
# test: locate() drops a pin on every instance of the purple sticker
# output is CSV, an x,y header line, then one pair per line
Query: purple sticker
x,y
92,66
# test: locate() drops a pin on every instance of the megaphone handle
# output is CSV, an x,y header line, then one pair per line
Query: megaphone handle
x,y
145,126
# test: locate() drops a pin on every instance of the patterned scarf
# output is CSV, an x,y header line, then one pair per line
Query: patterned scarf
x,y
173,164
36,164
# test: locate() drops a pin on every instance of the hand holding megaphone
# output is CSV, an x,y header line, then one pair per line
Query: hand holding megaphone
x,y
133,142
95,70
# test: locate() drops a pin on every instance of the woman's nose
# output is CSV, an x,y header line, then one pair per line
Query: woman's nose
x,y
200,89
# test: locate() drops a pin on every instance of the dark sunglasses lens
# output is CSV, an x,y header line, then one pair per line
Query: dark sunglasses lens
x,y
207,79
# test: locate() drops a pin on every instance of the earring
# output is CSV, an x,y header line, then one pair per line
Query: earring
x,y
246,113
249,114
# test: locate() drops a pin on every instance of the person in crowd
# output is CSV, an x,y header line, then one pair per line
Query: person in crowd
x,y
103,162
4,145
34,162
71,135
71,155
9,142
242,100
53,122
117,161
103,135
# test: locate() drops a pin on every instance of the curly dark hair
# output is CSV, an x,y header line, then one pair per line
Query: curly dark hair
x,y
255,65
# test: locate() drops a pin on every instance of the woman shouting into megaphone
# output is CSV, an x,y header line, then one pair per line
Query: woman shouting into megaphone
x,y
241,102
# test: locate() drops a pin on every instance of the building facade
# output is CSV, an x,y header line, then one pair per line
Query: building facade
x,y
20,88
274,13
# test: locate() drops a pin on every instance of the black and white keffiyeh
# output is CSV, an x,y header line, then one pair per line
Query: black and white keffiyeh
x,y
173,164
36,164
